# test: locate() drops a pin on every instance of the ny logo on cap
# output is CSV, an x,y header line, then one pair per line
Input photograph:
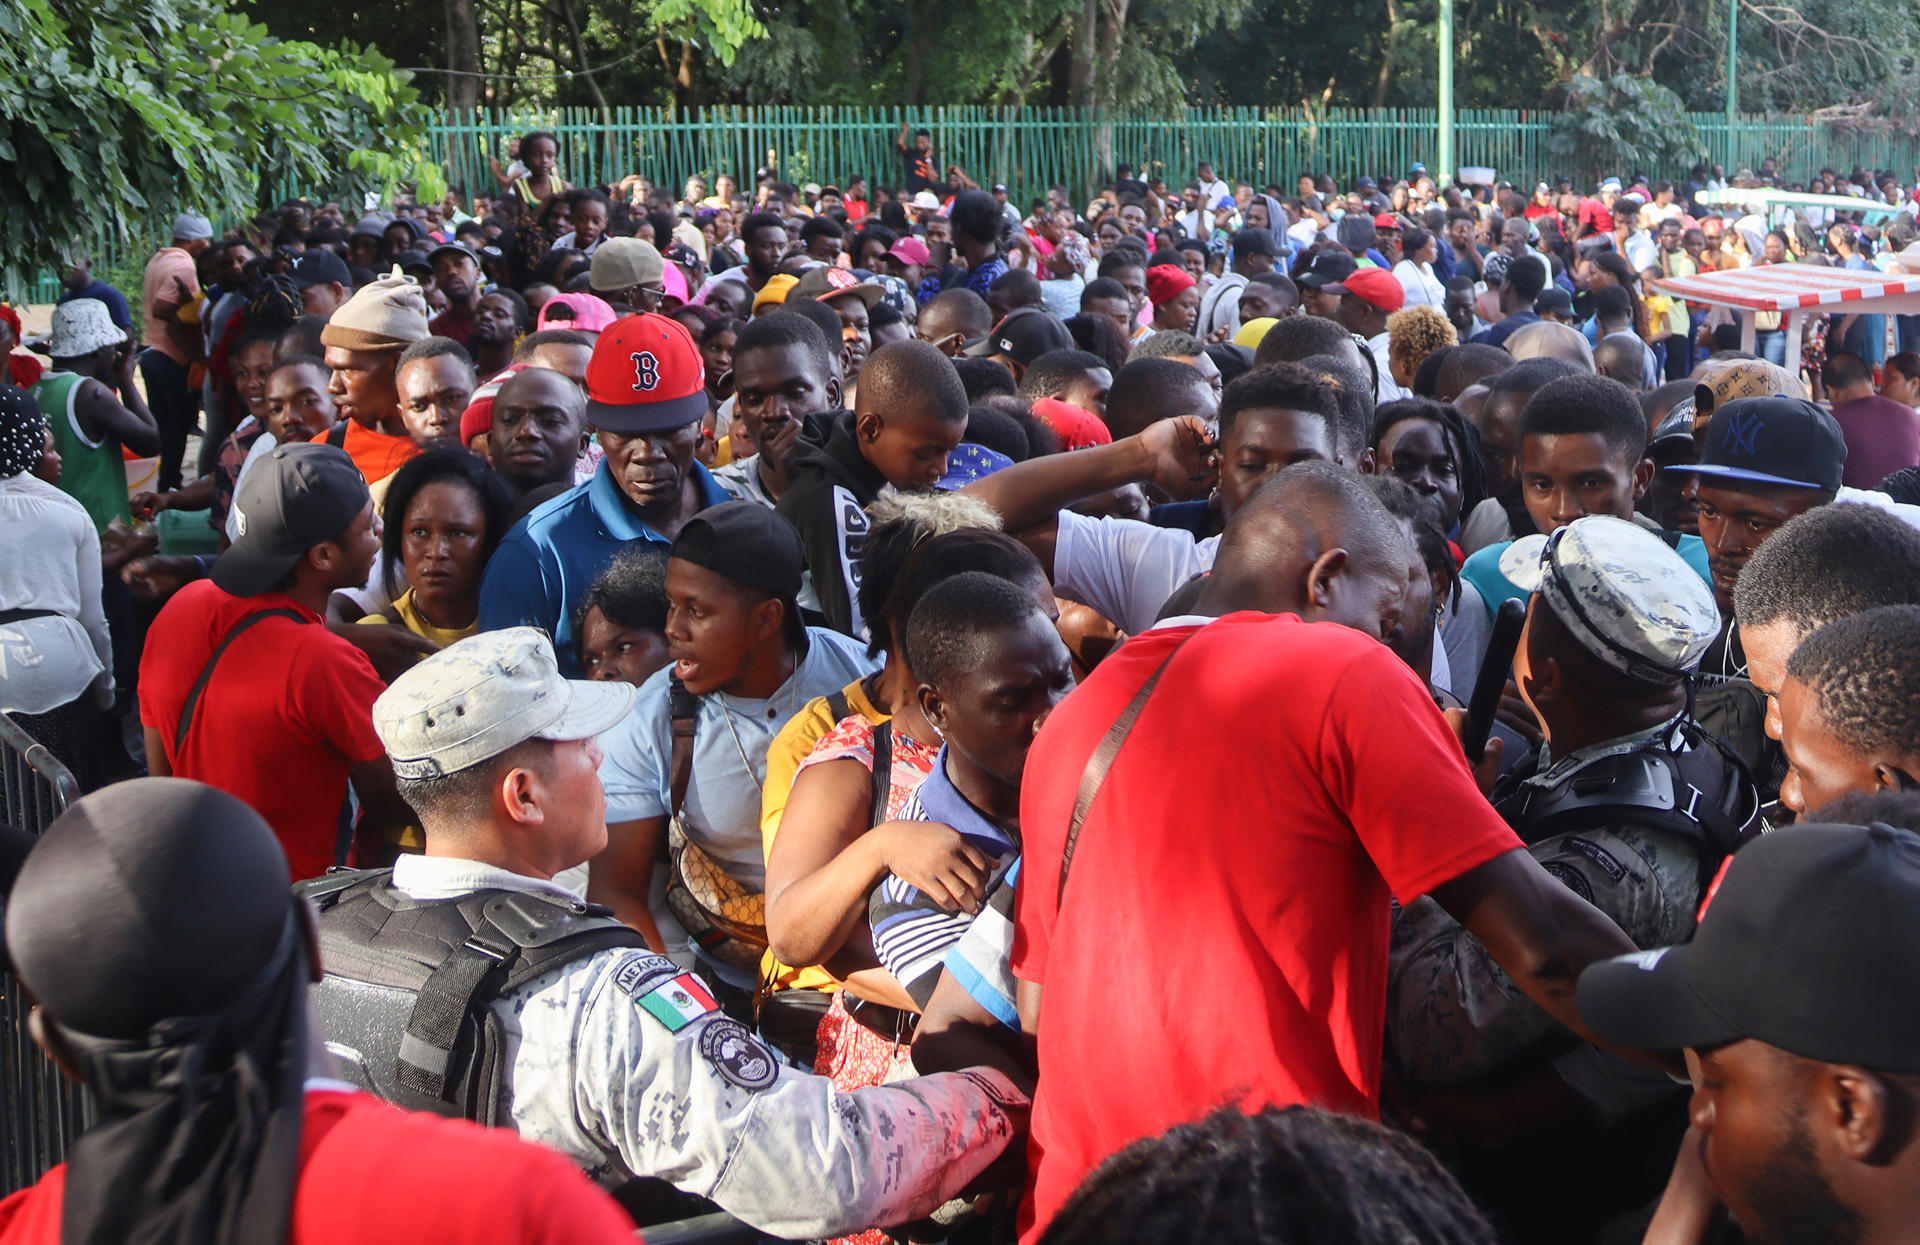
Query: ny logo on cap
x,y
646,370
1743,432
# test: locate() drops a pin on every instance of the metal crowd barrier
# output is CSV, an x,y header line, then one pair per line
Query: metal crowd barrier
x,y
40,1110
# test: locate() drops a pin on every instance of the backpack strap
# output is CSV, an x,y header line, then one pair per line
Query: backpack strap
x,y
838,707
882,788
516,938
1102,760
337,435
684,707
206,672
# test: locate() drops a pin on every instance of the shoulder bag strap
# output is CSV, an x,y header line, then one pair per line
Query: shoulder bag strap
x,y
882,788
206,673
685,708
1102,761
337,435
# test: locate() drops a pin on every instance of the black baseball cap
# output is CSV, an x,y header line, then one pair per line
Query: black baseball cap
x,y
320,266
411,261
298,496
1553,299
451,248
746,542
1773,440
1255,241
1328,268
1804,944
1023,336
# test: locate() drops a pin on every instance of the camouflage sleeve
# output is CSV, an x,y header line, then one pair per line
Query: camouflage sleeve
x,y
1453,1015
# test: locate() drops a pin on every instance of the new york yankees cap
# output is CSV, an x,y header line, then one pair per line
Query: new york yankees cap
x,y
1779,441
646,375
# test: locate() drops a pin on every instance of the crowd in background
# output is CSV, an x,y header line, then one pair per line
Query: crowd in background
x,y
682,644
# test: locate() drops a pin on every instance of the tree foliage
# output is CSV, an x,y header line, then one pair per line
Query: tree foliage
x,y
1624,123
120,113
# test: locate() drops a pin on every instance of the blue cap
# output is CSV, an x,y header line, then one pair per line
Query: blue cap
x,y
1780,441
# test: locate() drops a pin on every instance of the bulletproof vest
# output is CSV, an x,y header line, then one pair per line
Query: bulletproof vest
x,y
406,1003
1703,795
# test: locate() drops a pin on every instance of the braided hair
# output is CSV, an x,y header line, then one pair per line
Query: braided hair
x,y
1279,1177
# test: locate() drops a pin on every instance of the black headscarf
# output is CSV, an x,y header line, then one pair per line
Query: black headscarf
x,y
153,924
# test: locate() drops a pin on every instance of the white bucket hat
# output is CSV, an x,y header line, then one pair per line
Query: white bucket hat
x,y
81,327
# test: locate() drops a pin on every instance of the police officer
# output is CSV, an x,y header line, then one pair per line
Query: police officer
x,y
1629,803
468,981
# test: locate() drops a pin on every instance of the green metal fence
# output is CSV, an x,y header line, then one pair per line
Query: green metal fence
x,y
1030,149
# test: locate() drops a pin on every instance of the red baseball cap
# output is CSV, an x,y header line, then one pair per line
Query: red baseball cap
x,y
1376,286
1386,220
1077,429
646,375
1165,281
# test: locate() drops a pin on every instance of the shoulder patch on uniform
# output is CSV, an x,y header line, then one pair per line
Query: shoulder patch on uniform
x,y
1599,856
1570,877
736,1054
642,972
678,1001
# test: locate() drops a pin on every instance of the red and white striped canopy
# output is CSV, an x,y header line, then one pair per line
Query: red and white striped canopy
x,y
1788,287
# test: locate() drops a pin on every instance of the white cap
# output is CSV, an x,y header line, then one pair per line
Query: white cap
x,y
191,227
1622,592
472,701
81,327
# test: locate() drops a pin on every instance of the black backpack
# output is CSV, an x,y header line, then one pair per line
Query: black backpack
x,y
406,1002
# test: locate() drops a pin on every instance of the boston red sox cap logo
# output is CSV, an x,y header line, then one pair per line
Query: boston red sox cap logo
x,y
646,375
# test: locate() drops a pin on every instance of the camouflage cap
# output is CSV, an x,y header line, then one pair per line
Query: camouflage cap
x,y
1627,597
472,701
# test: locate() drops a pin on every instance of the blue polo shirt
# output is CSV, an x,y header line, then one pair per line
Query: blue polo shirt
x,y
551,557
102,292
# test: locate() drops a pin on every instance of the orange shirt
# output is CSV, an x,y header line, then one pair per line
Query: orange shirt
x,y
375,453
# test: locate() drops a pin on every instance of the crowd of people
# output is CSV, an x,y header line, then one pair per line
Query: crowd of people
x,y
718,674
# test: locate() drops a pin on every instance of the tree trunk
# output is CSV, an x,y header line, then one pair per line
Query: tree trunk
x,y
1385,78
463,56
584,70
1080,74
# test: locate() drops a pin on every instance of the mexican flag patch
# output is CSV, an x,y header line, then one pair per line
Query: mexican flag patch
x,y
678,1002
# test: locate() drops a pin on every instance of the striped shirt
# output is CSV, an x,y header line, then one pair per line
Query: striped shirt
x,y
911,933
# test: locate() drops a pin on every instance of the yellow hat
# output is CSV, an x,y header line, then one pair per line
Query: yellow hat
x,y
1253,331
774,293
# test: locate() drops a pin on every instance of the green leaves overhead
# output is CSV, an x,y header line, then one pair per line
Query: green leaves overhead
x,y
117,114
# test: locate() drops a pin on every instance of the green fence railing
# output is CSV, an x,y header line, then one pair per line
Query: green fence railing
x,y
1030,149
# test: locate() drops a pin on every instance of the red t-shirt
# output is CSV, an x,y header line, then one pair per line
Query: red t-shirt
x,y
289,709
1595,213
375,453
452,323
1224,937
371,1174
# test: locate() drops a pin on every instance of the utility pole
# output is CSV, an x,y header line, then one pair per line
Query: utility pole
x,y
1444,175
1733,72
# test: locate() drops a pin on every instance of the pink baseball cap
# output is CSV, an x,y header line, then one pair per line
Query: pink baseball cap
x,y
911,251
591,314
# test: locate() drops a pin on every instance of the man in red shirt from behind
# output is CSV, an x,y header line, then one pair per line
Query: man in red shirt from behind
x,y
1251,907
243,687
153,926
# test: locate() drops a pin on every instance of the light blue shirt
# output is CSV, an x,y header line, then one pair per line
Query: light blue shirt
x,y
730,739
1482,570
